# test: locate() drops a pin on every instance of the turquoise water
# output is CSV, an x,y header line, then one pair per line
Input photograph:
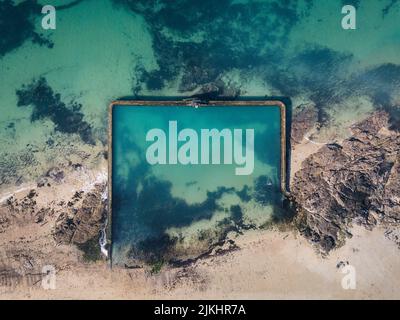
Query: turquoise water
x,y
190,206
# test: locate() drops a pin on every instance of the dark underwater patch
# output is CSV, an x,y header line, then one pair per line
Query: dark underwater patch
x,y
170,212
153,249
236,35
381,84
47,104
389,7
319,72
355,3
266,192
17,25
378,82
236,214
158,209
394,120
69,5
153,210
244,194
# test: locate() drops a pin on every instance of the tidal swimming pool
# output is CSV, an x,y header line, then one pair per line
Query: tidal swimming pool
x,y
182,178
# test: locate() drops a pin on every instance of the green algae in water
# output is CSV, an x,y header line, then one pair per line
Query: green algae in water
x,y
170,212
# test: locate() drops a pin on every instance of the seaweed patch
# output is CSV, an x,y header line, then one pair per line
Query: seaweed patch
x,y
318,72
230,37
17,25
355,3
382,85
156,210
389,7
67,118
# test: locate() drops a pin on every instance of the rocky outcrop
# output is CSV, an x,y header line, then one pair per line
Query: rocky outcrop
x,y
85,219
357,181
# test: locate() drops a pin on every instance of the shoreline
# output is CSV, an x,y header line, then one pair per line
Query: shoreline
x,y
270,264
265,264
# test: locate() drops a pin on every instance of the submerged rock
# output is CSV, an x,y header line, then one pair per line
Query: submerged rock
x,y
357,181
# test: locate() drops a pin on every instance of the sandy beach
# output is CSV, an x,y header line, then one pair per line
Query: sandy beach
x,y
268,265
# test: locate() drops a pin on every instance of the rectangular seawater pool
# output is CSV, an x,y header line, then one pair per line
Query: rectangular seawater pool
x,y
183,176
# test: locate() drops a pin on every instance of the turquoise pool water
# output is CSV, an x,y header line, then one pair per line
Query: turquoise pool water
x,y
173,211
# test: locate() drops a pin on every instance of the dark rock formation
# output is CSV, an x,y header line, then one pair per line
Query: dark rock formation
x,y
357,181
85,221
55,174
23,211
